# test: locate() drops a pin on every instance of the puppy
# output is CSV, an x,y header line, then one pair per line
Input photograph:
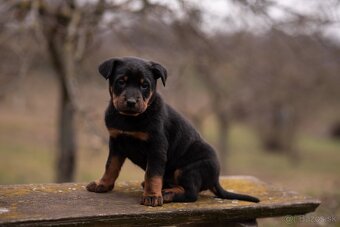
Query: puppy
x,y
178,163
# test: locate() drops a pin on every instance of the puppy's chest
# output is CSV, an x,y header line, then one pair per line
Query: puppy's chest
x,y
137,135
132,144
130,141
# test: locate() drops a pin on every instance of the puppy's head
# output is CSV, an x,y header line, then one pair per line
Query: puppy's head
x,y
132,83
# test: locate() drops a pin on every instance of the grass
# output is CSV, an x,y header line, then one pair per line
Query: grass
x,y
21,163
316,174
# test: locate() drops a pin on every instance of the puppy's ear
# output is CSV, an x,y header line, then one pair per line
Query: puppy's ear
x,y
106,68
159,72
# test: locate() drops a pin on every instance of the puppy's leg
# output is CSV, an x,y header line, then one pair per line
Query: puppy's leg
x,y
152,195
112,168
187,188
171,186
153,183
169,193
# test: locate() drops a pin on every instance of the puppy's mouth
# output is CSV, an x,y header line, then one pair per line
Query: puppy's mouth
x,y
128,112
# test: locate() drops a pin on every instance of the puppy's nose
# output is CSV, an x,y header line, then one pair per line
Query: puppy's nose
x,y
131,102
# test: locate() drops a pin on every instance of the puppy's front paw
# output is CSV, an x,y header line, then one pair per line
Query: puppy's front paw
x,y
99,187
152,201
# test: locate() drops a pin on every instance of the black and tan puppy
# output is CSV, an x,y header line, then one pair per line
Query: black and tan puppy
x,y
178,163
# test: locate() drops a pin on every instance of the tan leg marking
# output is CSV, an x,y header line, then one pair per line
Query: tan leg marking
x,y
152,195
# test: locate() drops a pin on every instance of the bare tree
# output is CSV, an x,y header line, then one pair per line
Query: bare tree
x,y
265,75
65,28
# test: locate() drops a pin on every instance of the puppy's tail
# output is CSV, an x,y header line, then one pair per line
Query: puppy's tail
x,y
223,194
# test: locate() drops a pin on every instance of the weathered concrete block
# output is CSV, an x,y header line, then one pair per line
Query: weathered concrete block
x,y
53,204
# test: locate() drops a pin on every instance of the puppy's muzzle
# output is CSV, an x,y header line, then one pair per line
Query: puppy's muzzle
x,y
132,106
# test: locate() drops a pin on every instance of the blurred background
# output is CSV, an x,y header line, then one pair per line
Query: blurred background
x,y
259,79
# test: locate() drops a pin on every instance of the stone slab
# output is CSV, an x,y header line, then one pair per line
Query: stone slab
x,y
71,204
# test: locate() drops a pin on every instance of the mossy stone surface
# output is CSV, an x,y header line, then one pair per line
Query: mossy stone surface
x,y
71,204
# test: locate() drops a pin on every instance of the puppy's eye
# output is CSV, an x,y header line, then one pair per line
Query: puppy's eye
x,y
145,85
121,82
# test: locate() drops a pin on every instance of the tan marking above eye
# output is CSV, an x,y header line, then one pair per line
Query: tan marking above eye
x,y
125,78
142,81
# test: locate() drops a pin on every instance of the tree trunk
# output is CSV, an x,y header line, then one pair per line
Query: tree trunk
x,y
222,142
274,141
280,135
66,140
63,63
335,131
218,97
